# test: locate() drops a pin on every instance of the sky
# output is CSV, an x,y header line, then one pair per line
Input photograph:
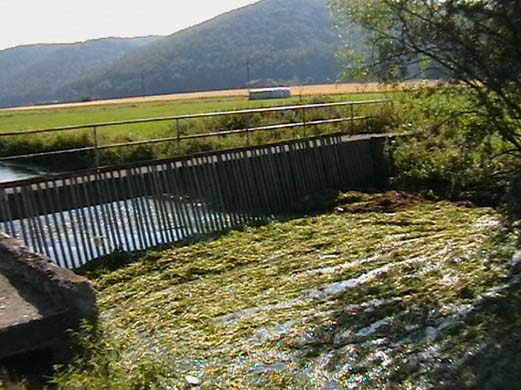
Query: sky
x,y
56,21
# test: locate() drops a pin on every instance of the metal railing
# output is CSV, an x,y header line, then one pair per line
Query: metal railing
x,y
179,136
80,216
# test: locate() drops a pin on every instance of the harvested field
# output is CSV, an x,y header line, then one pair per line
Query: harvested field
x,y
304,90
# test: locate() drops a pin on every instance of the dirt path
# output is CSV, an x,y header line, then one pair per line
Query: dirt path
x,y
303,90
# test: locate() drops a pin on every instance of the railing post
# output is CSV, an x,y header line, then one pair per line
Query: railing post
x,y
96,150
304,120
178,134
352,118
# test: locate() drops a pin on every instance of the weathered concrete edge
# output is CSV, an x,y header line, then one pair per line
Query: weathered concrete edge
x,y
61,286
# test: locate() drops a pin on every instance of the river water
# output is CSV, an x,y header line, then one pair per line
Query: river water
x,y
12,172
74,237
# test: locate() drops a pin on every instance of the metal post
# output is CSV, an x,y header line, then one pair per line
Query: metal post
x,y
96,150
304,120
178,134
352,119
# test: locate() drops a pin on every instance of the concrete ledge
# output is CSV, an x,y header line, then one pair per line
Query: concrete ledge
x,y
39,300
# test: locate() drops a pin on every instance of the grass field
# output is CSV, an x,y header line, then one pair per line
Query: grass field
x,y
299,91
78,114
388,291
28,118
37,118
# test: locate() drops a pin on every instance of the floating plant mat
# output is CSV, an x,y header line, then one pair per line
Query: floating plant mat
x,y
406,297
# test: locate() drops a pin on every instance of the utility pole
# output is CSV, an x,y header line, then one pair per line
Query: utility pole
x,y
143,92
89,91
248,72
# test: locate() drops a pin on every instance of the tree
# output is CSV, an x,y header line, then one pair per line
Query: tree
x,y
475,43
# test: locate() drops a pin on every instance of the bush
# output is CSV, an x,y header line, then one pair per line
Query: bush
x,y
513,195
448,149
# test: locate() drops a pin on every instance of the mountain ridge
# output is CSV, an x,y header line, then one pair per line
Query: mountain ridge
x,y
269,42
30,74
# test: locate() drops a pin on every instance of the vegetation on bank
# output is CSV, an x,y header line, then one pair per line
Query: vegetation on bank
x,y
377,291
452,151
448,149
26,120
479,139
382,291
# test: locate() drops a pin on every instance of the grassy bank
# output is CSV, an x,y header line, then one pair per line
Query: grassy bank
x,y
385,291
43,118
31,119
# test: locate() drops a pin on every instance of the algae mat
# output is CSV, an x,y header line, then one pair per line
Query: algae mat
x,y
383,293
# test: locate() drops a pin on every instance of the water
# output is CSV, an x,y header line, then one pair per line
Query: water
x,y
74,237
13,172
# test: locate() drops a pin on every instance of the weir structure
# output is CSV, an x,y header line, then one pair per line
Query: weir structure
x,y
80,216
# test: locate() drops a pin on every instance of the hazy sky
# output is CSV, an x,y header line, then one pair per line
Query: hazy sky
x,y
39,21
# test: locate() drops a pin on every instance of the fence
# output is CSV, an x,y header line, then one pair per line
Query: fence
x,y
97,147
79,216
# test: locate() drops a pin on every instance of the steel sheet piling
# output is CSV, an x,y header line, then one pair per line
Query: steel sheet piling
x,y
54,226
196,217
83,224
163,220
75,218
68,255
4,213
136,211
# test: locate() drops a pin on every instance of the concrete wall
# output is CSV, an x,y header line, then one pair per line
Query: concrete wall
x,y
41,300
61,286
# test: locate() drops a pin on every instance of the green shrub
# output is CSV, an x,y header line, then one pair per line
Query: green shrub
x,y
448,148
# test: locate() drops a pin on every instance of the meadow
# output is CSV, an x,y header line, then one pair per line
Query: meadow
x,y
19,120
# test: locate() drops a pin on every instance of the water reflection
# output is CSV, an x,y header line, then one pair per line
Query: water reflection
x,y
74,237
13,172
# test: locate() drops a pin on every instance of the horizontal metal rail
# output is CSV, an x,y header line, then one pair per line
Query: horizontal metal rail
x,y
185,137
273,127
97,147
194,116
50,153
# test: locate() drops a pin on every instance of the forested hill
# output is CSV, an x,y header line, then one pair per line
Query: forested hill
x,y
280,41
38,73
